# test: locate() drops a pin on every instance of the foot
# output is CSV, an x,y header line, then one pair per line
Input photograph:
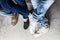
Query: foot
x,y
41,31
32,25
36,29
26,23
14,19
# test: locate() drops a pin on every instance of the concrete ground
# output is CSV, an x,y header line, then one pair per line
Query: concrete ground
x,y
9,32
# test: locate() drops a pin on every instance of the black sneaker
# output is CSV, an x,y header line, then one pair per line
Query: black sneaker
x,y
26,24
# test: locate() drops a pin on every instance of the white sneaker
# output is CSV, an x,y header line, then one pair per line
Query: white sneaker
x,y
32,25
41,31
36,29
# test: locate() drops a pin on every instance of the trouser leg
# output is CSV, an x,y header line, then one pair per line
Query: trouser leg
x,y
40,9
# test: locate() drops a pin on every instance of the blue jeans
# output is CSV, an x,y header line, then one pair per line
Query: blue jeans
x,y
40,9
10,7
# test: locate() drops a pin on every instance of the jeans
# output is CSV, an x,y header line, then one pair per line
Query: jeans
x,y
10,7
40,9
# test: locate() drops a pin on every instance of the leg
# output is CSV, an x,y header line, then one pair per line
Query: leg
x,y
24,12
38,15
40,8
20,7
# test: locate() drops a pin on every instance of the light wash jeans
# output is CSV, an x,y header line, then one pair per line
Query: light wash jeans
x,y
40,9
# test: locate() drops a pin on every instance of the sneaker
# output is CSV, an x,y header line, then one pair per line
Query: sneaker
x,y
26,24
40,31
32,25
36,29
14,19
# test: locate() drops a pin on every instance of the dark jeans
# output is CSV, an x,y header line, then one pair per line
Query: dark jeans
x,y
10,7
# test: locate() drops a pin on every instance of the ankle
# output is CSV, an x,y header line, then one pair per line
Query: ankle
x,y
25,20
